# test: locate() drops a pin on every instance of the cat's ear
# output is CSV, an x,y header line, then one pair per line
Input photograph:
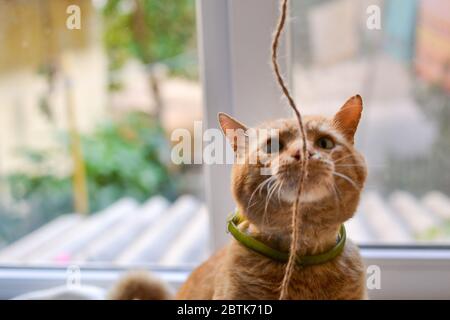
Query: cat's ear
x,y
347,119
234,130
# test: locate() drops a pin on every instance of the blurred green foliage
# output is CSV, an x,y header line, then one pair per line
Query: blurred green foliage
x,y
149,30
127,158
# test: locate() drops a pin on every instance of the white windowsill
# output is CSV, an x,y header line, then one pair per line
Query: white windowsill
x,y
406,273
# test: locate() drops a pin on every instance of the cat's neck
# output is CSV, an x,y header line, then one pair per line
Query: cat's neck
x,y
312,240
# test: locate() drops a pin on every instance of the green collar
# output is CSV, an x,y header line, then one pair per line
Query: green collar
x,y
251,243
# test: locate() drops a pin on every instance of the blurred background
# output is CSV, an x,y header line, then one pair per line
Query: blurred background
x,y
85,121
396,54
86,116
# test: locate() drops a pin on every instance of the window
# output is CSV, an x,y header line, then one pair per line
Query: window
x,y
239,80
233,45
91,92
394,53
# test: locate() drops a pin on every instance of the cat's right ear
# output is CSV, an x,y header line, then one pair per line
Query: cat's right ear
x,y
235,131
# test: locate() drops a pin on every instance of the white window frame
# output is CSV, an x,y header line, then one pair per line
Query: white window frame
x,y
234,42
235,53
236,77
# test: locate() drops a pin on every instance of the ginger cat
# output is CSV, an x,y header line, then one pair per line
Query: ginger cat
x,y
336,175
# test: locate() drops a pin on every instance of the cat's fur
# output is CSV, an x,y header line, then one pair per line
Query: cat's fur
x,y
139,285
332,190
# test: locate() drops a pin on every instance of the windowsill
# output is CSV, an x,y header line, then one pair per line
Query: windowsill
x,y
406,273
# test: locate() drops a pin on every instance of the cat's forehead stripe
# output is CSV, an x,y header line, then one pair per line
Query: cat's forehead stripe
x,y
322,125
325,128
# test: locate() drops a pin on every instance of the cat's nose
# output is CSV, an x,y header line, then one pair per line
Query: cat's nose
x,y
298,154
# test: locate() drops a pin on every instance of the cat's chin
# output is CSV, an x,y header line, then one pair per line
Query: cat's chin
x,y
289,194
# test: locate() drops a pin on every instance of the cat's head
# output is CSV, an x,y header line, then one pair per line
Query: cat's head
x,y
265,177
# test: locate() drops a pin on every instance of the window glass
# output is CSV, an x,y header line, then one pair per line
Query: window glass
x,y
90,93
396,54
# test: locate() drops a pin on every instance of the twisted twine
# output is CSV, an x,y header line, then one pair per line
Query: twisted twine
x,y
296,215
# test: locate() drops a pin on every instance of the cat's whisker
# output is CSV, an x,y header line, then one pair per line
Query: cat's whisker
x,y
338,193
328,162
338,199
279,191
277,188
349,165
259,187
270,191
343,158
329,186
346,178
265,184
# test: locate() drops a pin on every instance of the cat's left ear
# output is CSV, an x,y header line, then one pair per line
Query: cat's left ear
x,y
347,119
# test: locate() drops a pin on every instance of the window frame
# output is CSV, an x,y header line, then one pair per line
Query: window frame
x,y
236,74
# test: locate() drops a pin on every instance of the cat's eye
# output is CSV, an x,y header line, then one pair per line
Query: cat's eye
x,y
273,145
325,143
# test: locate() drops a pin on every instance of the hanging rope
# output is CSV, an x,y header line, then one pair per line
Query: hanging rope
x,y
296,216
